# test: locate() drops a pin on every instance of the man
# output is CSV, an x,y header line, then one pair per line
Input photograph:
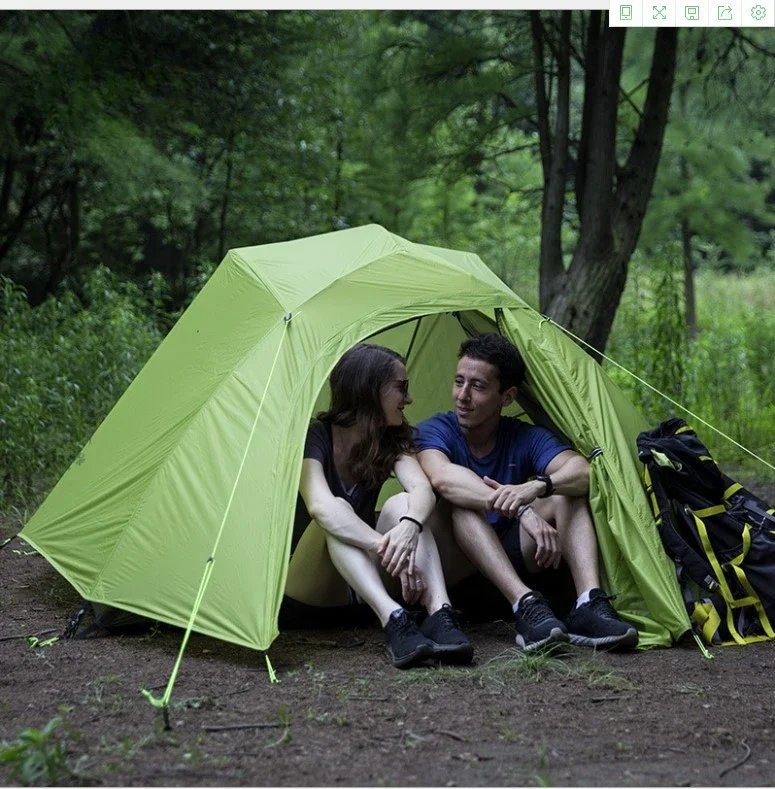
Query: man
x,y
516,496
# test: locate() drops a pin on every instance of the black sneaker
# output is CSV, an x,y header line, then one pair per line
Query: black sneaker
x,y
450,643
596,624
537,626
406,645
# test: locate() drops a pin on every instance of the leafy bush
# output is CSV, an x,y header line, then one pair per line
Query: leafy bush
x,y
724,375
62,367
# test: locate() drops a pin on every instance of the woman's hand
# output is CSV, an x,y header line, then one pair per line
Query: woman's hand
x,y
412,586
398,547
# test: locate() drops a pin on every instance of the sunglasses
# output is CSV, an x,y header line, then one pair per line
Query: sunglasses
x,y
403,386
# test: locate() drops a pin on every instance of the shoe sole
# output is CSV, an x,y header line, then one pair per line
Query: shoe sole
x,y
556,636
459,654
628,640
422,653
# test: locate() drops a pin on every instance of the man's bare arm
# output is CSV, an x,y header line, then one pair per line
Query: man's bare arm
x,y
460,486
570,473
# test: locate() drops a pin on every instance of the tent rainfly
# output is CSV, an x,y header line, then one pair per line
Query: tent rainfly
x,y
180,506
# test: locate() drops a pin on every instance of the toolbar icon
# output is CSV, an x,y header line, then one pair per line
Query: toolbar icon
x,y
724,13
625,13
692,13
659,12
758,12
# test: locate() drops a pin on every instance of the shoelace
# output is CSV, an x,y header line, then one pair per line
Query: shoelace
x,y
449,620
602,607
535,611
402,624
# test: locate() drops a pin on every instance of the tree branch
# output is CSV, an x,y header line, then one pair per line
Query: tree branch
x,y
741,36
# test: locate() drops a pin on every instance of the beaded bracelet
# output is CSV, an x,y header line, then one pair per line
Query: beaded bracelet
x,y
521,511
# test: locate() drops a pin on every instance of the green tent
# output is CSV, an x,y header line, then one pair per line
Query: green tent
x,y
182,502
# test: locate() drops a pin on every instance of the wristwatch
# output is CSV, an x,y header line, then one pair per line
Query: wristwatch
x,y
547,480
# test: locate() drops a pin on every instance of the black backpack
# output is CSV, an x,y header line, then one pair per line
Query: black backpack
x,y
720,536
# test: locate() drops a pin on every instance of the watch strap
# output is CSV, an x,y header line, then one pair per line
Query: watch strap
x,y
547,480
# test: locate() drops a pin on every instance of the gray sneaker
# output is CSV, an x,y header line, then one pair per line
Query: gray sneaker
x,y
406,645
596,624
450,643
537,626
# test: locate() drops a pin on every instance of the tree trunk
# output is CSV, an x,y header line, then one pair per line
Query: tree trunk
x,y
614,207
554,154
591,66
224,212
686,238
688,269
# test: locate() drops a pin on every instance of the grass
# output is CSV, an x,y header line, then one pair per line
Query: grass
x,y
285,719
514,666
597,675
103,694
542,777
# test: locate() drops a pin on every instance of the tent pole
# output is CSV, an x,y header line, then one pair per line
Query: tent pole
x,y
163,702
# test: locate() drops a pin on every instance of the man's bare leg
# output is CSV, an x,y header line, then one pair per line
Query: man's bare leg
x,y
578,543
593,622
479,545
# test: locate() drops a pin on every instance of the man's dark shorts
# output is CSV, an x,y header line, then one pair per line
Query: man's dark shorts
x,y
482,602
510,541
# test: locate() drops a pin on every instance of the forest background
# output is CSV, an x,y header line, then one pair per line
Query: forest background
x,y
621,181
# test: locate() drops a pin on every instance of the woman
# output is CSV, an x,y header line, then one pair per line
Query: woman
x,y
350,451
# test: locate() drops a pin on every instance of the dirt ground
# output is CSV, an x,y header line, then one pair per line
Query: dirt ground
x,y
340,715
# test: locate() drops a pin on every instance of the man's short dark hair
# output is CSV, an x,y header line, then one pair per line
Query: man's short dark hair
x,y
499,352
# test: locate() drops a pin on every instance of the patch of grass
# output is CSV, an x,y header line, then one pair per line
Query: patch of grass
x,y
509,666
102,694
123,751
542,777
285,719
728,362
507,735
39,757
692,690
530,666
194,755
598,675
318,717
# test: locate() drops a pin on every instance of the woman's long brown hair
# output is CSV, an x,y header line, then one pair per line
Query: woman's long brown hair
x,y
356,382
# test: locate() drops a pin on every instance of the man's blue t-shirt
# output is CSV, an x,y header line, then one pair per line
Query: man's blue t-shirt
x,y
521,451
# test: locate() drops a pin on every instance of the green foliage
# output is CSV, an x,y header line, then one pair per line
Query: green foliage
x,y
716,171
62,367
38,757
650,333
724,376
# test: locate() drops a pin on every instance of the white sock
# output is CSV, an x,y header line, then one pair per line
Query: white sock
x,y
583,598
515,607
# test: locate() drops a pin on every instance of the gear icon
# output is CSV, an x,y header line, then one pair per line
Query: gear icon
x,y
758,12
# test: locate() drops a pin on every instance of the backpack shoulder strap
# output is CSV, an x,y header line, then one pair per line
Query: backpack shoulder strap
x,y
695,565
